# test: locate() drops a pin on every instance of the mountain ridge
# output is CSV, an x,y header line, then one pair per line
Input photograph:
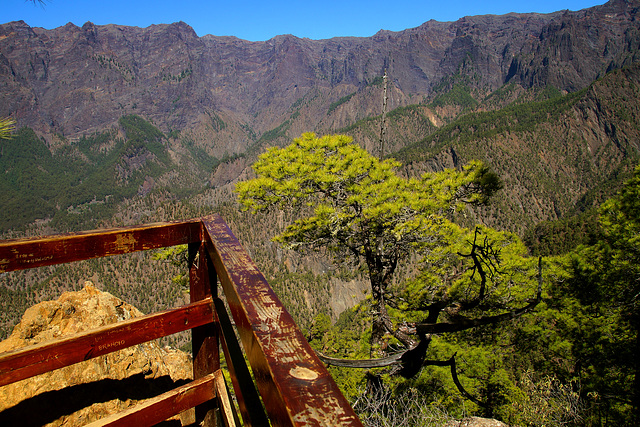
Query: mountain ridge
x,y
209,105
171,76
137,125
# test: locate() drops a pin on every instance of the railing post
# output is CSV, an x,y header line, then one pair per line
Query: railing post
x,y
205,347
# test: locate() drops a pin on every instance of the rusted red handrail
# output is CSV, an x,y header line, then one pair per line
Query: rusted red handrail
x,y
19,254
295,387
40,358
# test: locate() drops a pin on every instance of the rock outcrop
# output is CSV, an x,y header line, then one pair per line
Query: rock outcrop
x,y
87,391
476,422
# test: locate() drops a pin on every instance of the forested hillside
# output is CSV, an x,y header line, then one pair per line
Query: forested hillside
x,y
556,156
109,136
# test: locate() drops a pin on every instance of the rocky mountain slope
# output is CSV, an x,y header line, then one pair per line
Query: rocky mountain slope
x,y
128,111
555,156
228,93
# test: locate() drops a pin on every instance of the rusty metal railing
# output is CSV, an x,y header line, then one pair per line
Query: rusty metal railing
x,y
284,383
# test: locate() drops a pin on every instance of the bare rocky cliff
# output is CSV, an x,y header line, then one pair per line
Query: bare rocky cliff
x,y
76,80
87,391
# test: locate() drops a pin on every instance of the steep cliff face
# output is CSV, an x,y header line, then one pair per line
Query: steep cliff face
x,y
73,80
578,47
87,391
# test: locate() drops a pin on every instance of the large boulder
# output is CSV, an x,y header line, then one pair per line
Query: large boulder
x,y
84,392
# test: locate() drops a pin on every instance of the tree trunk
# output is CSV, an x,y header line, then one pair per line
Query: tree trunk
x,y
381,321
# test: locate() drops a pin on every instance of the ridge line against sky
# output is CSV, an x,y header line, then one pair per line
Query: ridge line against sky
x,y
259,20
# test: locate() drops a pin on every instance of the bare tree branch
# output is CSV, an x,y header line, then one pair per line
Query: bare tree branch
x,y
462,323
394,359
456,381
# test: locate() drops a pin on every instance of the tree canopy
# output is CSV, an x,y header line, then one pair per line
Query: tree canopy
x,y
605,280
362,211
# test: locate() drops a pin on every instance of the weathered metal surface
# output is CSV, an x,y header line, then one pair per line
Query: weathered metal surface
x,y
295,386
204,339
158,409
248,398
19,254
27,362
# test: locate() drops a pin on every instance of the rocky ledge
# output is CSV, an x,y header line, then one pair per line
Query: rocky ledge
x,y
90,390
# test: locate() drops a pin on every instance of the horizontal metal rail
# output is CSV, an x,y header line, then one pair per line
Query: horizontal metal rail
x,y
158,409
37,359
291,382
18,254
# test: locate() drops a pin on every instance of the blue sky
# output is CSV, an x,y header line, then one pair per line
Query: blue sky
x,y
264,19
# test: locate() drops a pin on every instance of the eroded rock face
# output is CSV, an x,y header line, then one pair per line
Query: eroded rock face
x,y
90,390
75,80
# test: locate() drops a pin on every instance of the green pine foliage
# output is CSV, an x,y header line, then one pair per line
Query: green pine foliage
x,y
81,184
458,95
6,126
562,236
142,135
355,204
571,362
605,281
